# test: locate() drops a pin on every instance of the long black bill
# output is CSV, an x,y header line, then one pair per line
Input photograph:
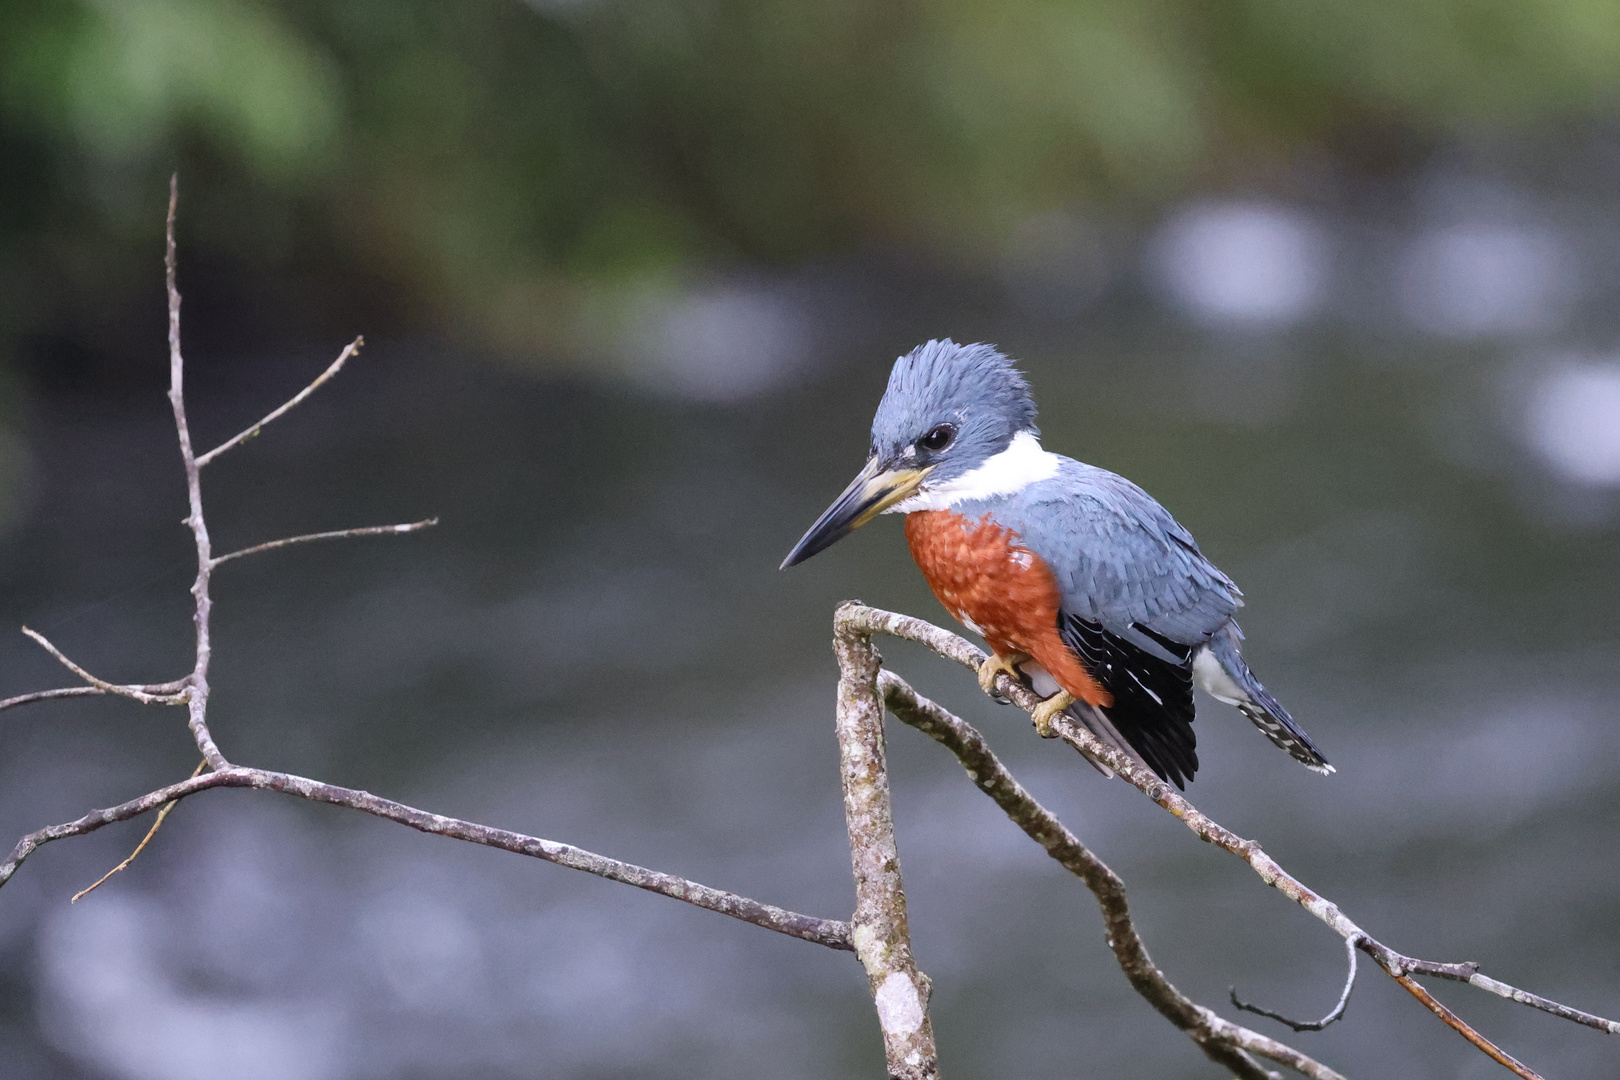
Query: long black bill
x,y
876,489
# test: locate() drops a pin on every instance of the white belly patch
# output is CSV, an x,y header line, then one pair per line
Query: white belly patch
x,y
1213,679
1039,679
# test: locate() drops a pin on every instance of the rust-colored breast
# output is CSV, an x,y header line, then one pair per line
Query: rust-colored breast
x,y
985,578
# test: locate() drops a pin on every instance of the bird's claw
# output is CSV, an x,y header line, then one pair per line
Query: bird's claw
x,y
1046,710
994,665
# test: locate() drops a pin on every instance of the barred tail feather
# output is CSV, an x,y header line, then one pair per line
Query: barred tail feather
x,y
1220,671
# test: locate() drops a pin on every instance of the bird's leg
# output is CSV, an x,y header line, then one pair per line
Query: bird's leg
x,y
1046,710
994,665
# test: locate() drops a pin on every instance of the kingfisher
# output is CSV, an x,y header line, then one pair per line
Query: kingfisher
x,y
1083,586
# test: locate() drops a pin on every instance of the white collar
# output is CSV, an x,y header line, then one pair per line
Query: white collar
x,y
1023,463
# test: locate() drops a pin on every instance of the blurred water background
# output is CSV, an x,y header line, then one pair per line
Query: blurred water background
x,y
1337,283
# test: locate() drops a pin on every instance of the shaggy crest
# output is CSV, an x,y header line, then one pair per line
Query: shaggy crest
x,y
941,376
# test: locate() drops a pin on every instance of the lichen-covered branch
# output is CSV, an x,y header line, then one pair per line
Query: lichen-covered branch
x,y
1224,1042
829,932
1397,965
882,937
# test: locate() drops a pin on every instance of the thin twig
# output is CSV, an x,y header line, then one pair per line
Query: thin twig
x,y
1468,972
1488,1048
197,696
96,691
829,932
47,695
1308,1025
1536,1001
161,694
297,399
340,534
1395,964
1226,1043
162,815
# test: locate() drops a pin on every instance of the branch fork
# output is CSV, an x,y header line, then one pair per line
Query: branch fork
x,y
1397,965
169,693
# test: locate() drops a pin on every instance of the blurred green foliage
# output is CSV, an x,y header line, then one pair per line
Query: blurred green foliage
x,y
501,171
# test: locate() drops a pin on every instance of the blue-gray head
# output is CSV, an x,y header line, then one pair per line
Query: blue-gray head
x,y
948,409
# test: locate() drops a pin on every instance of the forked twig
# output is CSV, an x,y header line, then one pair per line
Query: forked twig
x,y
1469,973
1462,1027
878,889
1395,964
829,932
1308,1025
339,534
1224,1042
162,815
297,399
172,693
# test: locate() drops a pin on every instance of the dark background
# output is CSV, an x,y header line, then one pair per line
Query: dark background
x,y
1337,283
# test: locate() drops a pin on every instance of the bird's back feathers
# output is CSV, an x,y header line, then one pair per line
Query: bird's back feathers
x,y
1120,559
1145,611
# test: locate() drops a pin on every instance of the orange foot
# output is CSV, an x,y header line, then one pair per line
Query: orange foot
x,y
1046,710
994,665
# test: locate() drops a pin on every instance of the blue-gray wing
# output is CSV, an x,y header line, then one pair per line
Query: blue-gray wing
x,y
1122,562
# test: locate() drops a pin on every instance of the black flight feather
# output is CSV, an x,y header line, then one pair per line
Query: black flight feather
x,y
1153,699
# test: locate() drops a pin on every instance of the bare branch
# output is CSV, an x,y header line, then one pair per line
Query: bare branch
x,y
297,399
1397,965
162,816
1488,1048
340,534
197,696
47,695
161,694
1308,1025
881,934
877,934
1468,972
828,932
1524,997
1267,1047
1224,1042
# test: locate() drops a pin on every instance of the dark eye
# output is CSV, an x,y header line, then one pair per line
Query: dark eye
x,y
937,439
